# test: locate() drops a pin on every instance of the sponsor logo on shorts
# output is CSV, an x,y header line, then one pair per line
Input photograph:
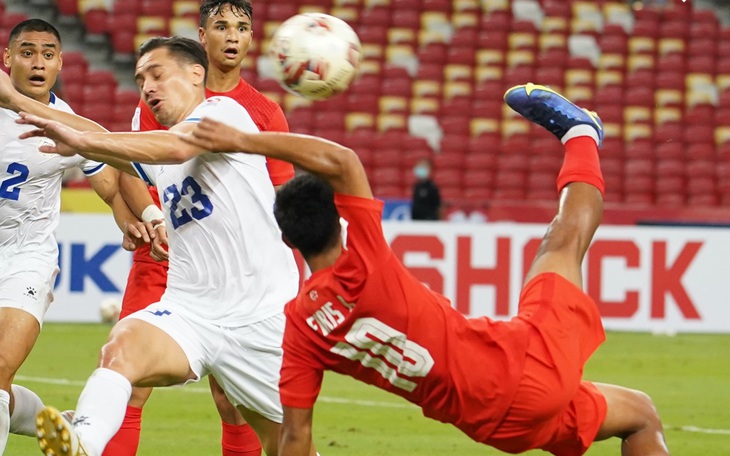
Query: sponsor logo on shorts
x,y
31,293
160,313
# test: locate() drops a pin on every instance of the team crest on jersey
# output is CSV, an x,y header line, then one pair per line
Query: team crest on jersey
x,y
313,295
45,142
31,293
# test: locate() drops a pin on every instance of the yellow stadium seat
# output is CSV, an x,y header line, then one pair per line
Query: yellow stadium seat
x,y
184,26
612,130
517,58
578,76
461,20
579,94
399,52
521,40
488,73
400,35
353,3
185,7
276,97
632,132
699,81
425,105
552,41
489,6
374,3
465,5
722,81
426,89
512,127
346,13
426,37
640,62
312,9
456,72
509,113
293,102
489,57
584,8
435,20
372,51
670,45
387,122
270,27
668,97
664,115
456,89
695,97
584,25
722,135
355,120
479,126
370,67
641,44
637,114
140,38
151,24
392,104
86,5
554,24
606,78
611,62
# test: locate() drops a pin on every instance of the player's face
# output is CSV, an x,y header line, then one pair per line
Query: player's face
x,y
226,38
170,88
34,59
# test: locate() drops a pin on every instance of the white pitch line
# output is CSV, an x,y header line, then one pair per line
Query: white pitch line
x,y
336,400
199,389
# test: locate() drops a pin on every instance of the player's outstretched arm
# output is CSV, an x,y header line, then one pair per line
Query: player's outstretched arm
x,y
336,164
116,149
296,433
15,101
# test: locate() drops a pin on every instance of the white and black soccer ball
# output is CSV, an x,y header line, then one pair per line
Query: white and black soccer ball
x,y
109,310
315,55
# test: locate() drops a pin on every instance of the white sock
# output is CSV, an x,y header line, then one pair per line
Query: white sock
x,y
26,409
4,419
580,130
100,410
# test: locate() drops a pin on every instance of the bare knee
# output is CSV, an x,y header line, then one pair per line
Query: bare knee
x,y
228,413
631,414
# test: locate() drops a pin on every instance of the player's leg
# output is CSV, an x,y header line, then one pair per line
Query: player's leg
x,y
137,352
18,333
145,285
632,417
266,429
238,437
580,183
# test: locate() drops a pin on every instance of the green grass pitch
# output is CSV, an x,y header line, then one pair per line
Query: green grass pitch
x,y
687,376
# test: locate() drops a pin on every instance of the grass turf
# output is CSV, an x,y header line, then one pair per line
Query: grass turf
x,y
686,375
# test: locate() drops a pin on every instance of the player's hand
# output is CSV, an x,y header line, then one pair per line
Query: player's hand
x,y
7,90
65,140
158,248
214,136
137,234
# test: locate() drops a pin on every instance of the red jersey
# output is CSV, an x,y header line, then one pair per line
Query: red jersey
x,y
266,114
369,318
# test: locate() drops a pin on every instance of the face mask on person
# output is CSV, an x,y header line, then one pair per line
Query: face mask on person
x,y
421,172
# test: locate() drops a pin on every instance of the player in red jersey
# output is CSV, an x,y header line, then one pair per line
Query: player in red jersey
x,y
225,32
515,385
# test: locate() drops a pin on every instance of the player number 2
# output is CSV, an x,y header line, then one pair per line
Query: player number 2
x,y
9,187
199,204
378,346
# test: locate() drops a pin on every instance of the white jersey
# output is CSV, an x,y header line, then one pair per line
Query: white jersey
x,y
30,188
228,263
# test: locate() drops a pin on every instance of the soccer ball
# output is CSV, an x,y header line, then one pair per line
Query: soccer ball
x,y
315,55
109,310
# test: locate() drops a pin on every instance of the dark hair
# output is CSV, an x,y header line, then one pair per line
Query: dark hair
x,y
306,213
33,25
213,7
184,50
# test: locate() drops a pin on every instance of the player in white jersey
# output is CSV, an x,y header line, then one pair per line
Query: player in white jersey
x,y
230,274
30,188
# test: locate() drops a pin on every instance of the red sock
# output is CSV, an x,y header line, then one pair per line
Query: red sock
x,y
239,440
126,441
581,164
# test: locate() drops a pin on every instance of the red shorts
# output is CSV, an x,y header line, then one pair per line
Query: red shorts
x,y
146,282
554,409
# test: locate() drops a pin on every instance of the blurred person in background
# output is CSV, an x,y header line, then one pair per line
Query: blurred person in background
x,y
426,201
30,200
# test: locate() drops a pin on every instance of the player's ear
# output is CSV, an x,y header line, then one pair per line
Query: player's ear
x,y
198,72
201,36
6,58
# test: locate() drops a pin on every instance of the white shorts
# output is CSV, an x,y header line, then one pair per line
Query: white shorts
x,y
246,361
26,283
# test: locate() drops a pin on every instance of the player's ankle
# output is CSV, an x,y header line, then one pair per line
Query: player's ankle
x,y
581,130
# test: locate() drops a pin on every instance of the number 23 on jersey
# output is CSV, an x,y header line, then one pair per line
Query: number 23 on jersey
x,y
187,202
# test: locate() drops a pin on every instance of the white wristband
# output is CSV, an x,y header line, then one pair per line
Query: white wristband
x,y
151,213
